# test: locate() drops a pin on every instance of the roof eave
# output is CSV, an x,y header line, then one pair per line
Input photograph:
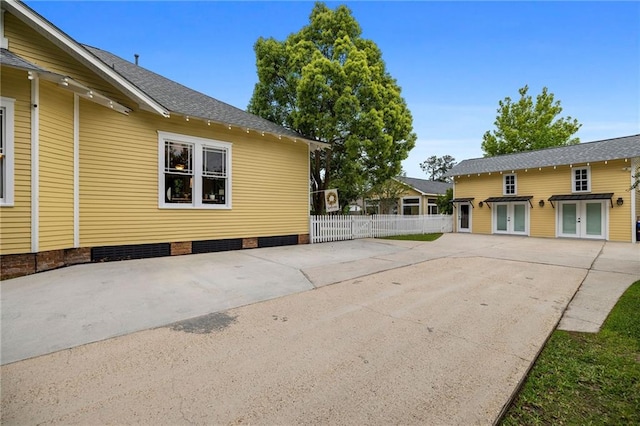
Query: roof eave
x,y
66,43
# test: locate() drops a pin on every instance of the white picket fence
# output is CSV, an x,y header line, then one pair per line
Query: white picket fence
x,y
343,227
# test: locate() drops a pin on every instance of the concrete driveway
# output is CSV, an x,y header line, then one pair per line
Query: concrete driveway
x,y
413,333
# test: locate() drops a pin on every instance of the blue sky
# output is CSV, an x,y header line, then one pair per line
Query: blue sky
x,y
453,60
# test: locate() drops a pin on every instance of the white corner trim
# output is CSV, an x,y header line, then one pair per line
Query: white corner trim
x,y
76,171
4,42
35,163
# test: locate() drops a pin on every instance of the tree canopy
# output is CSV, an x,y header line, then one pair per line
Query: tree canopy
x,y
444,202
526,125
329,84
436,167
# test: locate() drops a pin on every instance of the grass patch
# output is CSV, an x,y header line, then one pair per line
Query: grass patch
x,y
584,378
414,237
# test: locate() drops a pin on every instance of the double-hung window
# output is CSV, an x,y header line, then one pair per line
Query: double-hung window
x,y
510,187
580,181
6,151
432,206
193,172
410,206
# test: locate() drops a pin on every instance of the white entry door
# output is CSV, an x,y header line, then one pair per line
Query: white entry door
x,y
582,219
464,217
511,218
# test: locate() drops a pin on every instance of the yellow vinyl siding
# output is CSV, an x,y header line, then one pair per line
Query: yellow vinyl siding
x,y
56,168
28,44
119,182
612,178
544,183
15,221
479,189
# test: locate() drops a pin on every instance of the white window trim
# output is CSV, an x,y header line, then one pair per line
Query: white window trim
x,y
515,184
198,144
573,179
434,204
9,154
419,204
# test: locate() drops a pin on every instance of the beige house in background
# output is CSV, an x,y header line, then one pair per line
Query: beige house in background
x,y
577,191
102,159
419,198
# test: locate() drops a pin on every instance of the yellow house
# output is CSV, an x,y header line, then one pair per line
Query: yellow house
x,y
102,159
578,191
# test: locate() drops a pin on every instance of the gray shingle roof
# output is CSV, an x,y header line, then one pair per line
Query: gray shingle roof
x,y
182,100
11,60
426,186
608,149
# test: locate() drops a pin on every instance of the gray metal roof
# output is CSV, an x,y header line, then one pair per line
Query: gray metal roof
x,y
426,186
608,149
14,61
182,100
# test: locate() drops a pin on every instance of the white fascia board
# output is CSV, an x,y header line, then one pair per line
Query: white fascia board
x,y
71,46
83,91
315,145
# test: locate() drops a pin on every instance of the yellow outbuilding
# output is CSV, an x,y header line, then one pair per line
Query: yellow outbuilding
x,y
577,191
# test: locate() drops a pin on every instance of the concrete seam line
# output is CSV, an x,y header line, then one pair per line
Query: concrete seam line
x,y
308,279
455,256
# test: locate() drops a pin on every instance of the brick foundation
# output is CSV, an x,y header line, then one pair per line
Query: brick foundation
x,y
249,243
303,239
75,256
52,259
181,248
17,265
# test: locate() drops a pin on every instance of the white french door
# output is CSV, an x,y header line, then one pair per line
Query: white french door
x,y
511,218
582,219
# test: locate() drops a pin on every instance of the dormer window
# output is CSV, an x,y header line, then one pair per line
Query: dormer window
x,y
580,179
509,187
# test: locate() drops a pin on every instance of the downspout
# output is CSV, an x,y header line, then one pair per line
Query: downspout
x,y
76,171
35,164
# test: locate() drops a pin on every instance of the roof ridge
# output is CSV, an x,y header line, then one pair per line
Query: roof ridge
x,y
167,79
114,69
554,147
222,104
586,152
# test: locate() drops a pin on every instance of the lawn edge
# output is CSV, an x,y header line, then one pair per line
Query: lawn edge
x,y
524,377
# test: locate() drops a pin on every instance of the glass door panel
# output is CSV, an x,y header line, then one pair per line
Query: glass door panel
x,y
569,219
501,217
464,216
593,213
519,217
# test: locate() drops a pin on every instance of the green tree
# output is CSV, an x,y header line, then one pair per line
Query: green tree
x,y
526,125
329,84
444,202
436,167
